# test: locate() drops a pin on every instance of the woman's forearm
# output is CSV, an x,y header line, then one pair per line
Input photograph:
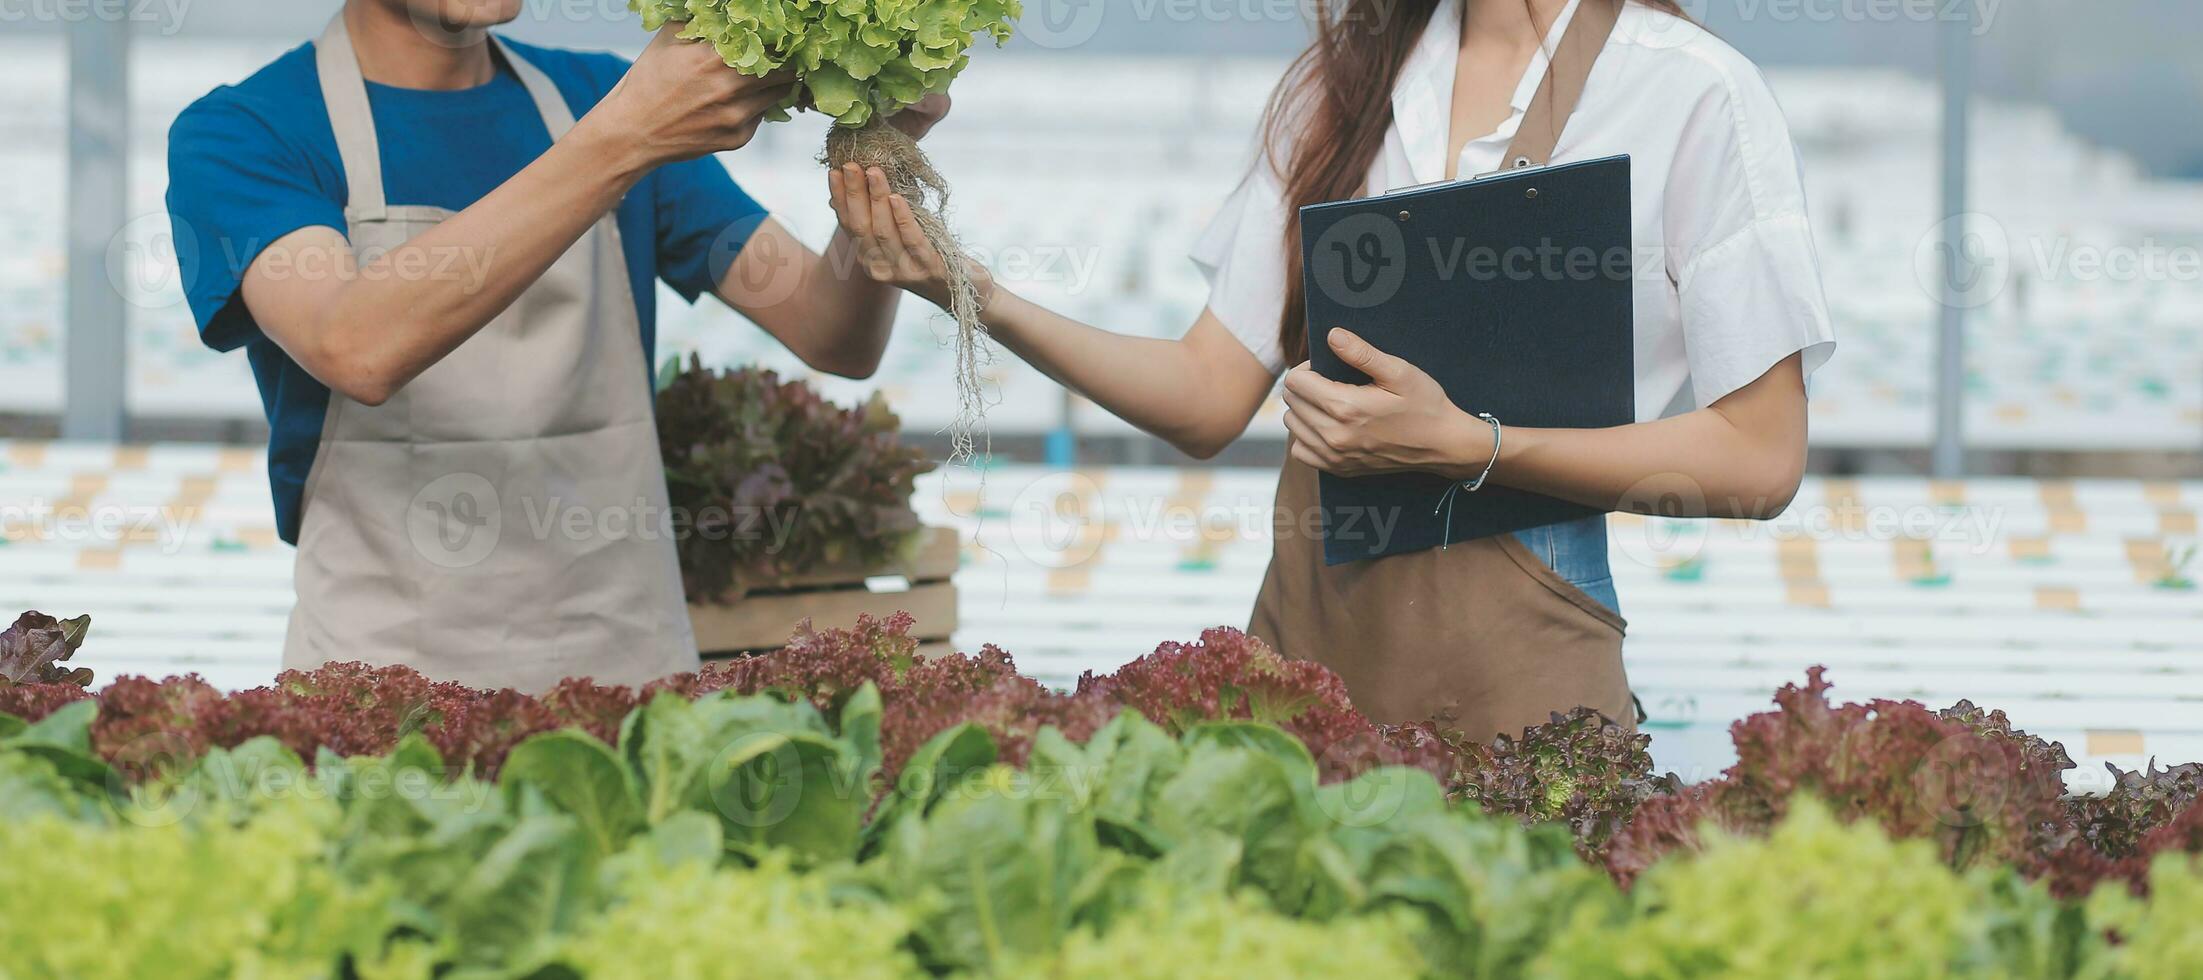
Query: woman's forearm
x,y
1137,378
1692,465
1741,458
1197,393
1687,466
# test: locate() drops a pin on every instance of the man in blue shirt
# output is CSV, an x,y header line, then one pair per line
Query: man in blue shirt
x,y
438,248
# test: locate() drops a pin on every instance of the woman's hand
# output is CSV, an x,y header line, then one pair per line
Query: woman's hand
x,y
1401,422
890,247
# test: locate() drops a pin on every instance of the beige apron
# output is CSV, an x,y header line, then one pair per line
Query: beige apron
x,y
1483,635
502,521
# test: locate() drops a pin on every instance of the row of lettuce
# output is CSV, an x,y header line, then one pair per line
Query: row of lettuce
x,y
847,809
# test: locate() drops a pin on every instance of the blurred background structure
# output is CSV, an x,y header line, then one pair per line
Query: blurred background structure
x,y
2047,570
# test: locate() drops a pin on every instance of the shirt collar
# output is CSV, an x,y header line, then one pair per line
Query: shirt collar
x,y
1422,101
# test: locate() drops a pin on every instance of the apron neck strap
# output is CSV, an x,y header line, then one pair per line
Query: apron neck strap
x,y
1557,96
557,116
344,92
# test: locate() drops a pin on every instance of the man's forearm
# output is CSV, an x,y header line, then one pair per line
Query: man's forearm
x,y
401,311
367,324
824,309
858,313
861,310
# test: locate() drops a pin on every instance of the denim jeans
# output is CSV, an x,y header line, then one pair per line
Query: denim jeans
x,y
1577,550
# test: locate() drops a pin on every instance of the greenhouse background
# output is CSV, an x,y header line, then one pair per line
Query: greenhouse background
x,y
2046,570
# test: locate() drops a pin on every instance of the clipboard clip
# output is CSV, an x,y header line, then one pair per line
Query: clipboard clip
x,y
1522,164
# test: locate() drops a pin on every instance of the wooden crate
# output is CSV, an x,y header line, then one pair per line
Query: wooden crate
x,y
763,619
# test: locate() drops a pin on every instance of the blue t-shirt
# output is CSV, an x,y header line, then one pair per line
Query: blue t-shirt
x,y
252,162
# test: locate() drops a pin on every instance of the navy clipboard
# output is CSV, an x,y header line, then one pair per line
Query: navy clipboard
x,y
1514,292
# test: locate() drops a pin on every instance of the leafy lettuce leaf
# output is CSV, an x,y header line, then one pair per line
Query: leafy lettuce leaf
x,y
855,59
32,650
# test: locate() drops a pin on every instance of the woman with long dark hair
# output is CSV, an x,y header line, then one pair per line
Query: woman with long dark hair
x,y
1730,320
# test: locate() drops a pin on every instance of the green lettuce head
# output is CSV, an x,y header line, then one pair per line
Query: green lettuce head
x,y
855,59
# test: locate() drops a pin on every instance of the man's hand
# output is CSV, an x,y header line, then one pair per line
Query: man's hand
x,y
680,101
1402,422
917,120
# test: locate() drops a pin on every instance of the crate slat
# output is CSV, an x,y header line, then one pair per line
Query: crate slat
x,y
763,620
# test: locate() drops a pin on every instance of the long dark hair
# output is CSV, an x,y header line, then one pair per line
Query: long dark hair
x,y
1329,116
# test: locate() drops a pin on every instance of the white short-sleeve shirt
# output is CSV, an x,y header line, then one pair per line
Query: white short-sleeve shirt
x,y
1727,279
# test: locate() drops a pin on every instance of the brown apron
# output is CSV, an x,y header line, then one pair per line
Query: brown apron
x,y
1483,636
